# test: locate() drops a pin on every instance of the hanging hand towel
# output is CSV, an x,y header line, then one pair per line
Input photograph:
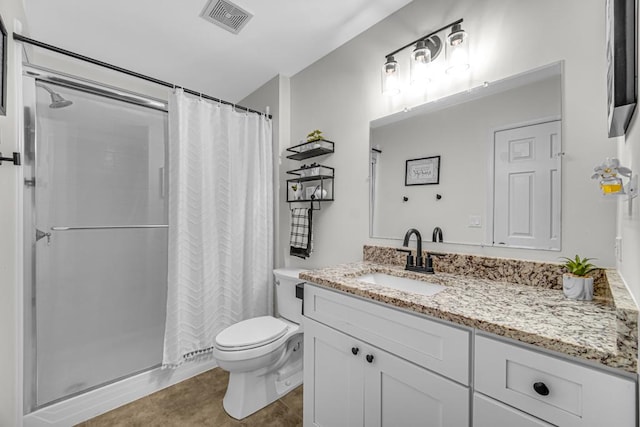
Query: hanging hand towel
x,y
301,232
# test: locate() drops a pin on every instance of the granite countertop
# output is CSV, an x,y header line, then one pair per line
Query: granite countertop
x,y
603,330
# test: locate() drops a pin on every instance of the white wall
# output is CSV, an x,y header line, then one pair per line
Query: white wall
x,y
10,10
340,94
462,136
629,225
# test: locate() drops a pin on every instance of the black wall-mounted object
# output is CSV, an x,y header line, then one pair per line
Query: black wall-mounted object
x,y
15,159
3,69
622,82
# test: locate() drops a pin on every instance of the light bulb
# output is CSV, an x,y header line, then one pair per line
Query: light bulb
x,y
420,65
457,50
390,81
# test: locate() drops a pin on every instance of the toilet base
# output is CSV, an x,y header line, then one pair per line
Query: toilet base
x,y
248,393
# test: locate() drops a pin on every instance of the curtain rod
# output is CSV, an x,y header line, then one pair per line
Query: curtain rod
x,y
37,43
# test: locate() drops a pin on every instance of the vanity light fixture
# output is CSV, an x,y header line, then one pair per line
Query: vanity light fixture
x,y
425,51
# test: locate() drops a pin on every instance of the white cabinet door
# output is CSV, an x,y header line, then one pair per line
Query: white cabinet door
x,y
333,381
490,413
350,383
398,393
527,187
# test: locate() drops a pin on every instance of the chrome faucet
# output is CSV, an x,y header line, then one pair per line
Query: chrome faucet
x,y
419,264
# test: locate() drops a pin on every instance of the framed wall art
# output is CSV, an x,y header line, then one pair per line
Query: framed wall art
x,y
423,171
622,86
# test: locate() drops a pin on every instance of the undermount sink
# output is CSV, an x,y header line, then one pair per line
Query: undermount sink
x,y
402,283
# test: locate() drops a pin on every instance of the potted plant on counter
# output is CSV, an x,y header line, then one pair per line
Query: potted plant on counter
x,y
575,284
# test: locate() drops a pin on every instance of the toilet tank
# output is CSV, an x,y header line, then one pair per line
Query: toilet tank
x,y
287,305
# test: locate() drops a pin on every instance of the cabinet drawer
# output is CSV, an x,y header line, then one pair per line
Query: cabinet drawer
x,y
433,345
490,413
565,393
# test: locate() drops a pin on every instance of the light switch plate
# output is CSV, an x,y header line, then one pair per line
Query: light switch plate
x,y
475,221
618,249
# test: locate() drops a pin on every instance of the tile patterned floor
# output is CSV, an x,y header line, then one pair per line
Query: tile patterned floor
x,y
198,402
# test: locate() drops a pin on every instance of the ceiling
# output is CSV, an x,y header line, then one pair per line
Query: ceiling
x,y
168,40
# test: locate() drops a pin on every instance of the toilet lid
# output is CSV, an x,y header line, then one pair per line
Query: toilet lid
x,y
251,333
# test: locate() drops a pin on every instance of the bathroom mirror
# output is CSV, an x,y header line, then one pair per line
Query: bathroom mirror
x,y
463,130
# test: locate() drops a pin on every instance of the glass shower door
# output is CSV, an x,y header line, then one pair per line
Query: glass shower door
x,y
101,241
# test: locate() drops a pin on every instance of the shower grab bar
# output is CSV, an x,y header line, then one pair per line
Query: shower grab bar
x,y
108,227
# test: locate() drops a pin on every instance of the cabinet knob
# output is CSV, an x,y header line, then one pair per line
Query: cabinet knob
x,y
355,350
369,358
541,388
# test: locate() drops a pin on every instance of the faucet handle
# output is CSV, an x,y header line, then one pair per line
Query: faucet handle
x,y
428,265
409,256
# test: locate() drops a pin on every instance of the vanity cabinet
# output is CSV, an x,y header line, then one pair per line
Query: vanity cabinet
x,y
350,382
552,389
371,365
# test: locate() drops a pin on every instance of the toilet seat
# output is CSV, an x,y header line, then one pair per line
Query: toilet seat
x,y
251,333
234,354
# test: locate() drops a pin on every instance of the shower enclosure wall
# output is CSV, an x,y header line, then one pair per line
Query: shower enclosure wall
x,y
95,232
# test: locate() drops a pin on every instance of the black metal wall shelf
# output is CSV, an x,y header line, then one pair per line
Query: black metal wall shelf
x,y
317,188
310,200
306,150
312,173
314,183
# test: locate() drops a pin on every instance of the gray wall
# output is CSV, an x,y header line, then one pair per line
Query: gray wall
x,y
340,94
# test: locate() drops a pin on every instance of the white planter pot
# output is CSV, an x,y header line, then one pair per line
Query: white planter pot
x,y
576,287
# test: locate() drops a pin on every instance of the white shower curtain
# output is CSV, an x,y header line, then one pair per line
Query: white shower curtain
x,y
220,223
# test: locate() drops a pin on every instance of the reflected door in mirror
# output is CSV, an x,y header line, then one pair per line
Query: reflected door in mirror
x,y
527,187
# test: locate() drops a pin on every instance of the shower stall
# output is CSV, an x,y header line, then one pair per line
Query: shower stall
x,y
95,239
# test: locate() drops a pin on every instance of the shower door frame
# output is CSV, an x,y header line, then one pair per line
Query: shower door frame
x,y
31,76
105,396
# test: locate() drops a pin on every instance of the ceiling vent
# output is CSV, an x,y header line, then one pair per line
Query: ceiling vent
x,y
227,15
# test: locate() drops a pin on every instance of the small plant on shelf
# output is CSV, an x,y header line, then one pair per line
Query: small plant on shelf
x,y
575,284
316,135
296,187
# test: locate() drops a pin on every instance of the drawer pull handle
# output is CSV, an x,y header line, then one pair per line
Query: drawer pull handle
x,y
355,350
370,358
541,388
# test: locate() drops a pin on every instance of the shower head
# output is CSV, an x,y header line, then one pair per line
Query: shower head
x,y
57,101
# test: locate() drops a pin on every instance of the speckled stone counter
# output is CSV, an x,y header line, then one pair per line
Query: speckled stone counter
x,y
602,331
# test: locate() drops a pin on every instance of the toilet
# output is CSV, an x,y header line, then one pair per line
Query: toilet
x,y
263,354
